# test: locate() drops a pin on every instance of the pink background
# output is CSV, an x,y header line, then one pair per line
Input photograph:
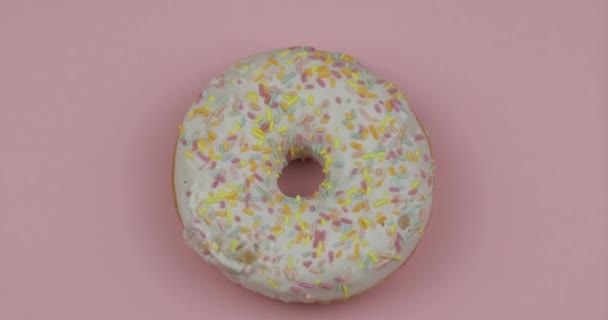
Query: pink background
x,y
513,93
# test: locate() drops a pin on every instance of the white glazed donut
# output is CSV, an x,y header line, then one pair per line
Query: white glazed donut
x,y
368,214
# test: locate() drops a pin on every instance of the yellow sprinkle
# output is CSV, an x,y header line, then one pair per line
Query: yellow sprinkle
x,y
397,257
319,249
336,143
345,290
290,244
290,262
273,283
356,254
332,82
281,129
307,239
228,216
369,156
189,154
215,247
372,255
323,222
233,244
415,184
338,254
381,202
256,224
268,115
393,229
364,243
318,112
181,129
311,100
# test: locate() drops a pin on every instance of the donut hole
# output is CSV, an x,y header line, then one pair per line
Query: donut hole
x,y
301,176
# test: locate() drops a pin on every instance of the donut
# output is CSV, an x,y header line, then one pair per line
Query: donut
x,y
367,215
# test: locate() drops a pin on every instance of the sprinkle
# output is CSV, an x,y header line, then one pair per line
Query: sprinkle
x,y
372,129
273,283
415,184
381,202
233,244
372,255
345,290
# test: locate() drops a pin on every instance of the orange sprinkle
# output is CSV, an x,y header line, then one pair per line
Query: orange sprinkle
x,y
286,209
356,145
248,211
389,105
372,129
358,207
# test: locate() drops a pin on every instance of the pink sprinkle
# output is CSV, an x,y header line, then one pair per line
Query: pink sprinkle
x,y
346,220
319,139
188,194
194,145
265,127
398,245
237,219
272,237
325,216
303,77
326,285
337,193
393,189
311,208
202,156
336,74
336,223
419,137
306,285
321,83
247,197
294,288
298,228
392,90
270,210
392,154
223,204
422,174
338,100
258,177
377,108
340,279
183,141
236,159
412,192
309,86
331,256
307,263
250,115
213,164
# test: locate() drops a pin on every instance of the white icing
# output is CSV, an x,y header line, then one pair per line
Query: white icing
x,y
276,255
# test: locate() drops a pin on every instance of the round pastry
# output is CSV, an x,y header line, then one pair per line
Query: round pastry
x,y
366,217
